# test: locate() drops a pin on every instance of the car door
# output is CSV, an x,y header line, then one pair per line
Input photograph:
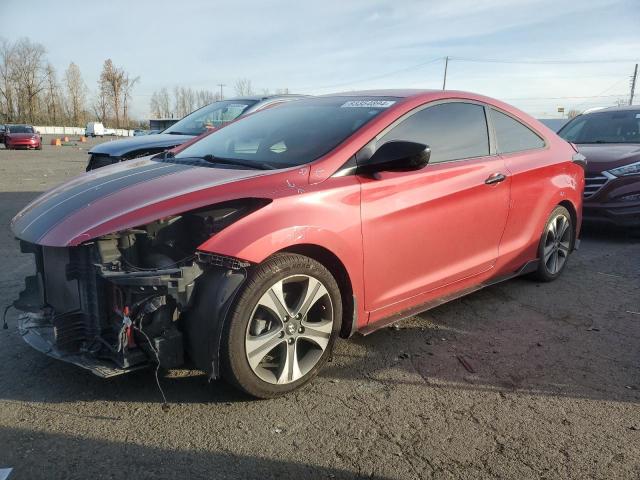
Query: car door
x,y
428,228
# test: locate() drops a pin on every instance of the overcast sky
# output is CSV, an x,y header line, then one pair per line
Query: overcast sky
x,y
337,45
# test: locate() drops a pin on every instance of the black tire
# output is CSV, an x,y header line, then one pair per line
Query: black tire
x,y
235,367
39,147
546,271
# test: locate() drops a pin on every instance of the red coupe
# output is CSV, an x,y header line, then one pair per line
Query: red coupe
x,y
253,249
21,136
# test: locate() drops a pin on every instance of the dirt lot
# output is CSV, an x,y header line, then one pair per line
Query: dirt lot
x,y
551,387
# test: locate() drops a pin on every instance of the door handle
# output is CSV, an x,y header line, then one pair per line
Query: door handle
x,y
495,178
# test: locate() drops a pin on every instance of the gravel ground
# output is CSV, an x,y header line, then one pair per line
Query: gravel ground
x,y
520,380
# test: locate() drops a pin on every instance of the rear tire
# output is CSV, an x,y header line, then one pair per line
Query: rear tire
x,y
282,327
556,244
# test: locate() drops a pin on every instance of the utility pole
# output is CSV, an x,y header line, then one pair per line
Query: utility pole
x,y
221,94
633,84
446,64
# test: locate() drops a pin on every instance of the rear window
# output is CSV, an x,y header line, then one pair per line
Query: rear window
x,y
513,136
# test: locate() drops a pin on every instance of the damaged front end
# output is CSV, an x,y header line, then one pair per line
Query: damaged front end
x,y
121,302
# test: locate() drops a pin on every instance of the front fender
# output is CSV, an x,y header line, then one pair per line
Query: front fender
x,y
326,216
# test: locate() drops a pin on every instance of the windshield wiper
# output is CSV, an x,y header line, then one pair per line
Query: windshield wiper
x,y
164,155
238,161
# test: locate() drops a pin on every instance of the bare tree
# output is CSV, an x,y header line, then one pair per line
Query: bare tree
x,y
205,97
243,87
116,86
127,88
160,104
154,105
110,87
100,106
7,86
76,91
165,102
52,98
29,75
185,101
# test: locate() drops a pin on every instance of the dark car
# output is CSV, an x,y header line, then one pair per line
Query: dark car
x,y
196,123
2,130
21,136
610,140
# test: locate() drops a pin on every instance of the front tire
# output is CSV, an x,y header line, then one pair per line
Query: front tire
x,y
556,244
282,327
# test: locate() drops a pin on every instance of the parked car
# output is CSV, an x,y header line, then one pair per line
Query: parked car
x,y
2,130
139,132
254,248
21,136
610,140
94,129
207,118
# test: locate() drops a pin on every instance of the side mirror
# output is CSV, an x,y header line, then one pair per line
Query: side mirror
x,y
397,156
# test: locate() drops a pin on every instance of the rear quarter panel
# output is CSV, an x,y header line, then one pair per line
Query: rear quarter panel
x,y
541,180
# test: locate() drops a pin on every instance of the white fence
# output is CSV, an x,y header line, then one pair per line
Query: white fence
x,y
120,132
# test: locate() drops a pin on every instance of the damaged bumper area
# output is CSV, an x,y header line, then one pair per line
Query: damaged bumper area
x,y
119,303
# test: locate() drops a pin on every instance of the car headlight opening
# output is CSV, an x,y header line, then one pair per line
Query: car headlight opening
x,y
631,169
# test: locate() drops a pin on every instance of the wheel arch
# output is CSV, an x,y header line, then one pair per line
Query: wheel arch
x,y
335,266
574,219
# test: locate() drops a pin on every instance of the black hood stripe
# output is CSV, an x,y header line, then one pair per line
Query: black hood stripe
x,y
41,216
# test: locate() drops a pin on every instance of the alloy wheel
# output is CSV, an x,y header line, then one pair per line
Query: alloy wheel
x,y
289,329
557,244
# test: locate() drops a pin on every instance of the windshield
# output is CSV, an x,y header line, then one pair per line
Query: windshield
x,y
293,134
622,126
20,129
214,115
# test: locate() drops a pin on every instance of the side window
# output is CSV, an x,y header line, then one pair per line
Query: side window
x,y
453,131
513,136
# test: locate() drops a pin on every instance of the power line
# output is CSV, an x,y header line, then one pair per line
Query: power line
x,y
604,91
539,62
566,98
383,75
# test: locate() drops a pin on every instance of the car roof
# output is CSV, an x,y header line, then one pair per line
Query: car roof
x,y
621,108
260,98
390,92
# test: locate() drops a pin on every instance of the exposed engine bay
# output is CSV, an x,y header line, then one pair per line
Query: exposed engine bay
x,y
121,302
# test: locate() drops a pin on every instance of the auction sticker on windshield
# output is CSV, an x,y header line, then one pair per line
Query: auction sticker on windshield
x,y
368,103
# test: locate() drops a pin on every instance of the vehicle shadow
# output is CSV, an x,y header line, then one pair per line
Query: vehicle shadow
x,y
83,458
595,231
